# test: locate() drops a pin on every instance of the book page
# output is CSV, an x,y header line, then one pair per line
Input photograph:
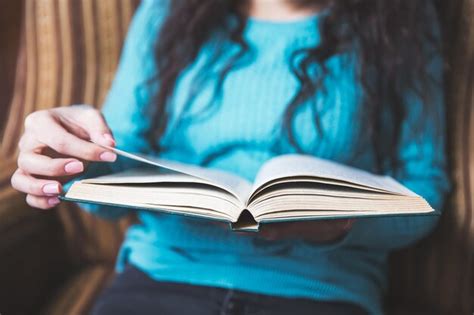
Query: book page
x,y
294,165
234,184
188,196
171,182
146,175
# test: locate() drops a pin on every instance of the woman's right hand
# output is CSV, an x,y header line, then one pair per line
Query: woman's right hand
x,y
56,147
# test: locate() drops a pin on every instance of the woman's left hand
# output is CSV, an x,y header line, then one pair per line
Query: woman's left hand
x,y
324,231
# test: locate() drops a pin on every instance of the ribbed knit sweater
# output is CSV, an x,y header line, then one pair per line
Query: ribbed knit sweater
x,y
240,131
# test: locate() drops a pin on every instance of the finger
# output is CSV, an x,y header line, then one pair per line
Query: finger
x,y
42,202
28,143
322,230
347,225
35,186
88,120
273,231
68,144
321,227
38,164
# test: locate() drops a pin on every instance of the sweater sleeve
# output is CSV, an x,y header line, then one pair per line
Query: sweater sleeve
x,y
424,172
423,169
125,105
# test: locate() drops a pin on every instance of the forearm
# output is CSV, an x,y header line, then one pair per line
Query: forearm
x,y
400,231
391,233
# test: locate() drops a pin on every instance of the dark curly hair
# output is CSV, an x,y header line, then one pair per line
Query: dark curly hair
x,y
389,38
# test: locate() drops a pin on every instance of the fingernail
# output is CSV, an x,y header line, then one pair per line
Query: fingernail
x,y
74,167
108,157
53,201
109,139
51,189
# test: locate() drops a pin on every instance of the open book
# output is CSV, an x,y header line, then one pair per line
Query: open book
x,y
286,188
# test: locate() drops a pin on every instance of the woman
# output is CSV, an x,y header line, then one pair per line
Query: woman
x,y
228,85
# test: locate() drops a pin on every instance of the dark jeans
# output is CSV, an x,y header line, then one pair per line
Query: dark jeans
x,y
133,292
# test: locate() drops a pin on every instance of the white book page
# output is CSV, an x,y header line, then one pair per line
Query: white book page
x,y
153,176
145,176
234,184
192,198
295,165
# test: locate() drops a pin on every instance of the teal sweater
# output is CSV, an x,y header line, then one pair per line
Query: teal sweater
x,y
243,132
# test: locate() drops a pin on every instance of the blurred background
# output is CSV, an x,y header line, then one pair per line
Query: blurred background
x,y
63,52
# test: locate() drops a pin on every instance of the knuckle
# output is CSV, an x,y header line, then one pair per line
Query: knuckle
x,y
21,162
22,142
14,180
29,201
33,118
81,106
94,111
32,201
60,145
30,120
91,112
